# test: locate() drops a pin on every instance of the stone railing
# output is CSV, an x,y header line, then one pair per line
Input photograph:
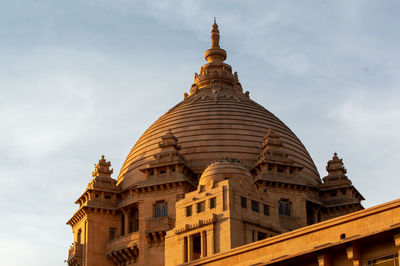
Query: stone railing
x,y
75,253
340,201
159,224
122,242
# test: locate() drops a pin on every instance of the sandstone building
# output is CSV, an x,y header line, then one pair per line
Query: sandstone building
x,y
213,176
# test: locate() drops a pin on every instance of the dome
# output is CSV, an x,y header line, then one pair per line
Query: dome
x,y
226,169
215,120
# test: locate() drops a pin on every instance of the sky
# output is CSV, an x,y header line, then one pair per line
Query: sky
x,y
82,78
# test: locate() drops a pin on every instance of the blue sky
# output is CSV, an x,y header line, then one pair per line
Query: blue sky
x,y
79,79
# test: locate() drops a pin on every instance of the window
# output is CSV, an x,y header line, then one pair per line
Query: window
x,y
107,197
243,202
390,260
213,203
201,206
122,224
196,246
112,233
160,209
255,206
163,171
261,235
284,207
189,211
266,210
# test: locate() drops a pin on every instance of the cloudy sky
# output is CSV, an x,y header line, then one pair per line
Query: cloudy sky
x,y
82,78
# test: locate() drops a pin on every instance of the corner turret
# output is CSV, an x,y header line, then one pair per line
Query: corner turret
x,y
337,193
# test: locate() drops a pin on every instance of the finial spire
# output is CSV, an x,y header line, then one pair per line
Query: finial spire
x,y
215,35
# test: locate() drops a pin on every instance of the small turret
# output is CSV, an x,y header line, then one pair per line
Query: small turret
x,y
336,172
102,176
102,168
337,193
169,142
168,165
271,141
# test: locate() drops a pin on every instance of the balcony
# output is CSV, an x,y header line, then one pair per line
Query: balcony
x,y
75,255
124,249
159,224
155,229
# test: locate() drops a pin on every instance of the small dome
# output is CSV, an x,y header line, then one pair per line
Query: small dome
x,y
226,169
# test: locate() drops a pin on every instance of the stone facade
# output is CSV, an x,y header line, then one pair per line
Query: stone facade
x,y
216,172
367,237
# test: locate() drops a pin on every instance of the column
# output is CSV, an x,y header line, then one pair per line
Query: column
x,y
315,214
190,248
396,238
324,260
203,236
353,253
126,221
185,250
143,254
210,242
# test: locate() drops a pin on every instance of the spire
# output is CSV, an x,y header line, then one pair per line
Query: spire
x,y
215,73
336,172
169,142
271,141
215,53
102,168
335,167
214,36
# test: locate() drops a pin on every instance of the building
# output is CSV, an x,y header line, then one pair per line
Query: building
x,y
367,237
216,172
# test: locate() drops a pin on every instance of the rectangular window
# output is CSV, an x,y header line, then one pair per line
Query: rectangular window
x,y
160,210
390,260
196,251
243,202
201,206
284,207
255,206
189,211
266,210
213,203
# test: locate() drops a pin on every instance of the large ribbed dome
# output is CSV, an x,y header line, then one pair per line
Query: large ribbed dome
x,y
214,121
